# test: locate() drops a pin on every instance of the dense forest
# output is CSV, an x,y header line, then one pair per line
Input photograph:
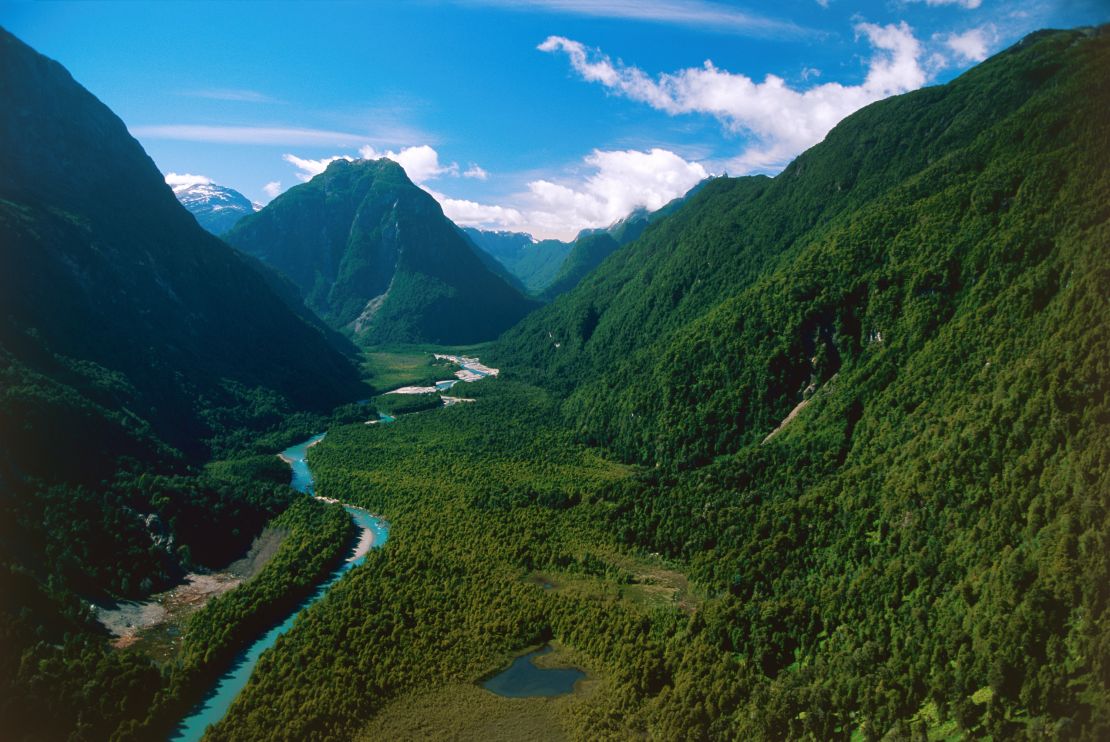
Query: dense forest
x,y
819,456
871,392
134,347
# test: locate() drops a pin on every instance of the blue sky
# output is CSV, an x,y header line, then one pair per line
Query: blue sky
x,y
544,116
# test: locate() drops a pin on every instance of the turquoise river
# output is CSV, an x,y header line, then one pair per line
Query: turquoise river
x,y
374,533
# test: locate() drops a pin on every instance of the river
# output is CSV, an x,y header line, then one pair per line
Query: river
x,y
374,533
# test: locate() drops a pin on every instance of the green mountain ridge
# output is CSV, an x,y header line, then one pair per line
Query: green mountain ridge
x,y
818,456
874,391
534,263
373,254
548,268
138,311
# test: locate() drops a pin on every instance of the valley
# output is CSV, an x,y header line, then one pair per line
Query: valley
x,y
823,454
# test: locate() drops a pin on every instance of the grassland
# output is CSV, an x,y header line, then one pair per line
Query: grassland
x,y
392,366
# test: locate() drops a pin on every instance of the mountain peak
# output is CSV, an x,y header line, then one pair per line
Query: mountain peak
x,y
216,208
372,253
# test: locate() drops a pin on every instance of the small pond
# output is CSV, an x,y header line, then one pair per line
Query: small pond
x,y
524,680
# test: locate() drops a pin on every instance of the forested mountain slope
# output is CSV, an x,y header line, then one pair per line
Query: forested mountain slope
x,y
535,263
916,210
133,345
587,252
116,309
928,536
592,247
373,253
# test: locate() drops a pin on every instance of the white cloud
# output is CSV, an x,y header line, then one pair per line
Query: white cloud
x,y
968,4
311,168
694,13
780,121
475,172
619,182
267,135
971,46
421,163
473,214
232,94
272,189
180,181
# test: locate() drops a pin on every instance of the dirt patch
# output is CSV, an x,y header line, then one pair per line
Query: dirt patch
x,y
155,625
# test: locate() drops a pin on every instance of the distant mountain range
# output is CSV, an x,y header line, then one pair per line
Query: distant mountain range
x,y
373,254
216,208
535,263
548,268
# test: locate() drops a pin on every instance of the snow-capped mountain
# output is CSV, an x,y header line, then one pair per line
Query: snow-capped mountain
x,y
215,207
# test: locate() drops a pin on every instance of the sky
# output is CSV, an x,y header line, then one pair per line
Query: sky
x,y
539,116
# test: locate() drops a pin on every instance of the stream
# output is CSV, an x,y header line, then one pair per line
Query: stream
x,y
374,533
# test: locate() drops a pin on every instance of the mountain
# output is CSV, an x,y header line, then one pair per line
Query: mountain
x,y
492,264
126,325
134,346
535,263
215,207
549,268
593,246
873,395
587,252
372,253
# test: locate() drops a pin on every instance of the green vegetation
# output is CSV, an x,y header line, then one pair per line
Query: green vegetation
x,y
372,253
534,263
934,522
394,366
478,497
133,347
465,711
922,552
404,404
588,253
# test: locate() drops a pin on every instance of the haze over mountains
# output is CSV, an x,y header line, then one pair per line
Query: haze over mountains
x,y
548,268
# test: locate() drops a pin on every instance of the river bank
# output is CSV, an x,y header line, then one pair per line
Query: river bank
x,y
374,531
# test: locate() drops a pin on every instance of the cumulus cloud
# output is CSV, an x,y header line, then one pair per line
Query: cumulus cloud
x,y
421,163
615,183
779,121
618,182
475,172
473,214
311,168
971,46
272,189
180,181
